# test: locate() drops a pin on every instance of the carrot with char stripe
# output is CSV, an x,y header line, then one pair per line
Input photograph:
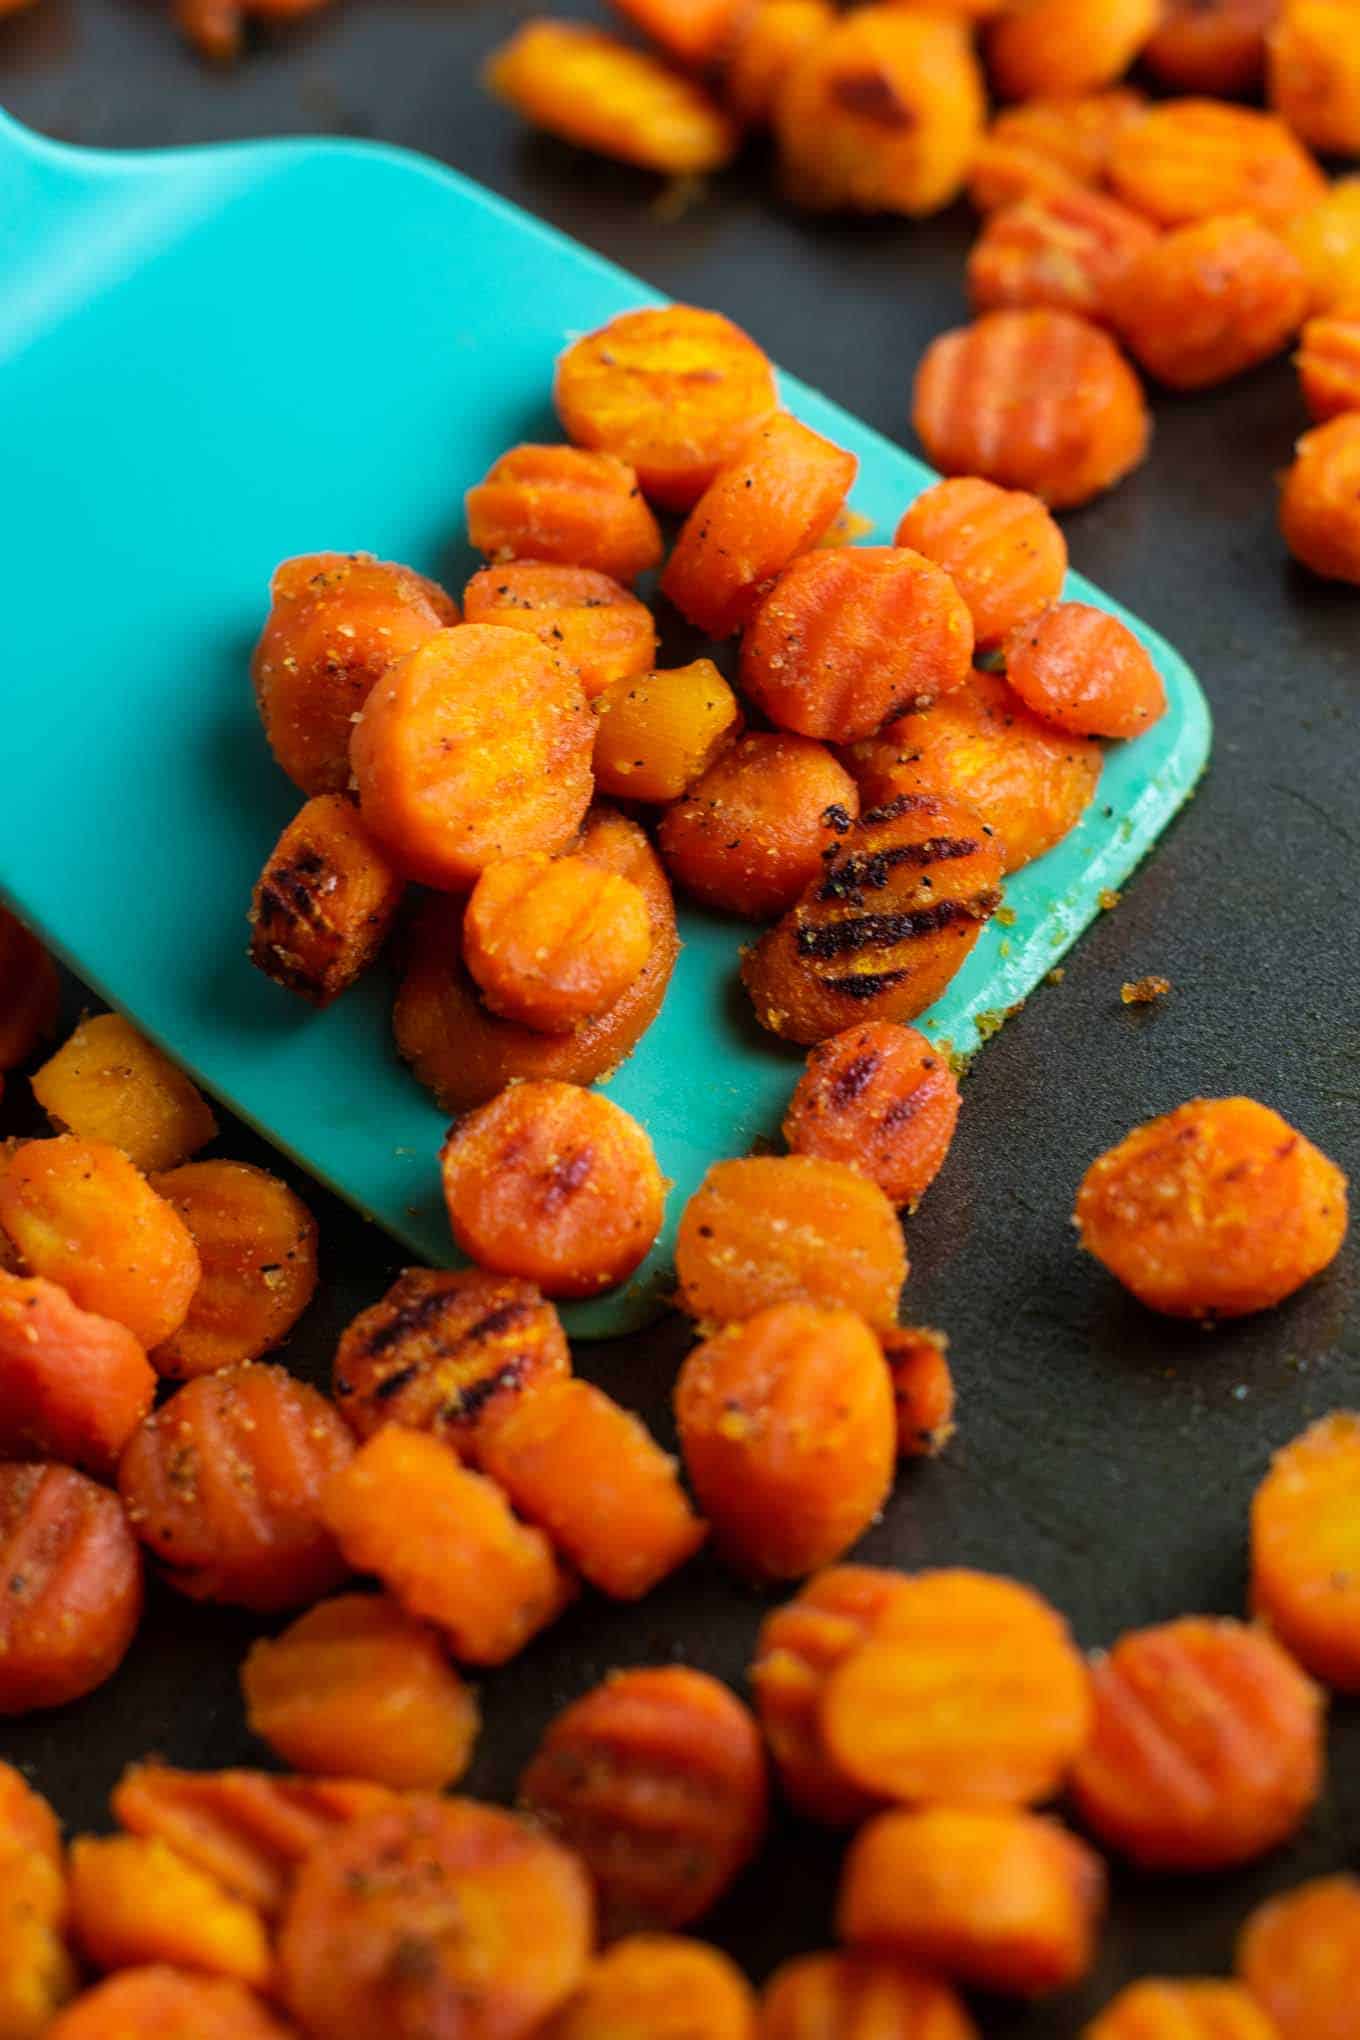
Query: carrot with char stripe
x,y
899,905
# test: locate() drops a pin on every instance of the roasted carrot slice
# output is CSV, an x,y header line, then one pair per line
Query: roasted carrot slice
x,y
325,902
750,833
109,1083
1193,159
1206,1749
1313,72
554,941
1328,362
134,1901
1305,1549
1000,547
923,1389
659,733
590,624
881,1099
76,1386
1320,504
257,1246
1084,670
475,747
659,1987
1193,2010
159,2003
833,1997
72,1593
1048,145
767,40
657,1780
563,504
1299,1956
672,391
1326,239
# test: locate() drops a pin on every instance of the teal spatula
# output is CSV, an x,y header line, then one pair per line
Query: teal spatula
x,y
210,360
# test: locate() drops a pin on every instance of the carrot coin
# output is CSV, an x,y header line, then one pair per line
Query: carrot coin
x,y
789,1436
355,1689
1313,71
1068,252
223,1485
1299,1956
1209,300
325,902
160,2003
76,1386
72,1593
1320,505
1035,400
591,625
553,941
846,640
772,501
970,1691
1084,670
1328,362
881,1099
671,390
1326,239
591,1475
597,92
1028,780
1192,2010
657,1780
1218,1209
561,504
466,1054
660,1987
658,733
1194,159
899,904
446,1545
751,831
997,1899
1067,46
438,1918
555,1184
840,1997
881,114
257,1246
447,1351
81,1216
1048,145
134,1901
109,1083
923,1389
475,747
1206,1749
1305,1549
788,1229
798,1649
1000,547
338,623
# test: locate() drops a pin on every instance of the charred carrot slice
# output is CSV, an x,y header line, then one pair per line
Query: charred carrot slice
x,y
848,639
837,1996
1028,780
657,1780
1001,1900
447,1352
881,114
356,1689
1305,1550
771,502
76,1386
444,1542
789,1436
1206,1749
247,1829
555,1184
772,1229
466,1054
1051,47
672,391
1000,547
591,1475
325,902
338,622
1215,1210
590,624
1193,159
257,1247
880,1099
223,1485
1035,400
900,902
109,1083
563,504
413,1916
591,89
751,832
1299,1956
475,747
81,1216
970,1691
134,1901
72,1594
1083,670
659,1987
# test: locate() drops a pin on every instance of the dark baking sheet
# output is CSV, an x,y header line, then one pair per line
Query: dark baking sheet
x,y
1104,1455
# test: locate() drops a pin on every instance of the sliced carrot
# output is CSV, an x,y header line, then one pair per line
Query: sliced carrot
x,y
76,1385
1001,548
1299,1956
1192,159
72,1586
750,833
590,624
108,1082
1305,1549
257,1247
881,1099
325,902
134,1901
